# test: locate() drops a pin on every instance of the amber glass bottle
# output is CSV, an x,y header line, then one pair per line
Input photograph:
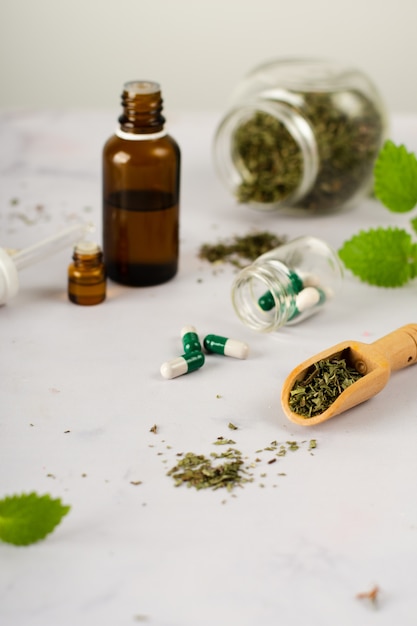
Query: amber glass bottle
x,y
86,275
141,181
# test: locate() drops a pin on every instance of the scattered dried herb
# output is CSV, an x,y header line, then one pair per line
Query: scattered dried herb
x,y
232,426
221,441
228,469
200,472
154,429
324,381
371,595
347,148
293,445
241,250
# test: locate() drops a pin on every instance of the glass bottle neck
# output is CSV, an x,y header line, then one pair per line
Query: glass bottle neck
x,y
87,260
87,254
142,108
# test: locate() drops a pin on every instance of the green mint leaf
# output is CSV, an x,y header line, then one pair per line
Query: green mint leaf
x,y
414,224
385,257
27,518
395,178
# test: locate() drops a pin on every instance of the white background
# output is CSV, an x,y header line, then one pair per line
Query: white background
x,y
80,389
79,53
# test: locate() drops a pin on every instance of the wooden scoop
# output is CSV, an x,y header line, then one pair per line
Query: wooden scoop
x,y
374,361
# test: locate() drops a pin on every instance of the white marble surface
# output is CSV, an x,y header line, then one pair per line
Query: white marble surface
x,y
80,390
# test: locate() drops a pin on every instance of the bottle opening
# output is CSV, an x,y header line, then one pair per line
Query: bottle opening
x,y
141,87
263,298
86,247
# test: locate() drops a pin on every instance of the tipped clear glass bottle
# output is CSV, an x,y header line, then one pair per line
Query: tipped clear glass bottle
x,y
287,284
141,187
301,136
87,275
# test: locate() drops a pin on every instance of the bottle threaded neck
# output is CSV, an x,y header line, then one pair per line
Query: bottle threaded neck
x,y
87,253
142,107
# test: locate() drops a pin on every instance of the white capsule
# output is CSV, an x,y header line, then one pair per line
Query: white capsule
x,y
188,329
307,298
236,349
228,347
182,365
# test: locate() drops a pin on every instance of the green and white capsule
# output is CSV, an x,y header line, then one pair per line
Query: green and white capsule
x,y
225,346
267,300
308,298
182,365
190,340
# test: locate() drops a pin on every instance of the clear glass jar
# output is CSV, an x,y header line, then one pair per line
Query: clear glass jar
x,y
302,134
287,284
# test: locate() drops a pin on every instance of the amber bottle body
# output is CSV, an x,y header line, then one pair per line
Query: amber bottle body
x,y
141,184
87,275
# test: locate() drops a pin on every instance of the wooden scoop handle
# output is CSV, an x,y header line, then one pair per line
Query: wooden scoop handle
x,y
399,347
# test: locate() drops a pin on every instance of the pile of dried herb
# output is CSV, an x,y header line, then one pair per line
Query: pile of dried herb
x,y
241,250
230,469
220,471
348,142
325,380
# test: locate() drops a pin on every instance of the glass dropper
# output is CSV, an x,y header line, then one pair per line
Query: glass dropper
x,y
13,261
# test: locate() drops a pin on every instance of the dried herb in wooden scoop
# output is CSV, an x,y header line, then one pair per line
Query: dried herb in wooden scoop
x,y
345,375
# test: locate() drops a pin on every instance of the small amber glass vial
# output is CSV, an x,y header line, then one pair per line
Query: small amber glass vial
x,y
86,275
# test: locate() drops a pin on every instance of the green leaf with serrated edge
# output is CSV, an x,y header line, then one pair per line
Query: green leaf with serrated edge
x,y
385,257
413,262
414,224
395,178
27,518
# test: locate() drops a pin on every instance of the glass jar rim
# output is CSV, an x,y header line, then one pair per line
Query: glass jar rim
x,y
246,302
293,121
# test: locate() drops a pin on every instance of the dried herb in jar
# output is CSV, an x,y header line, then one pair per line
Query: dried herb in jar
x,y
270,157
324,381
348,131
